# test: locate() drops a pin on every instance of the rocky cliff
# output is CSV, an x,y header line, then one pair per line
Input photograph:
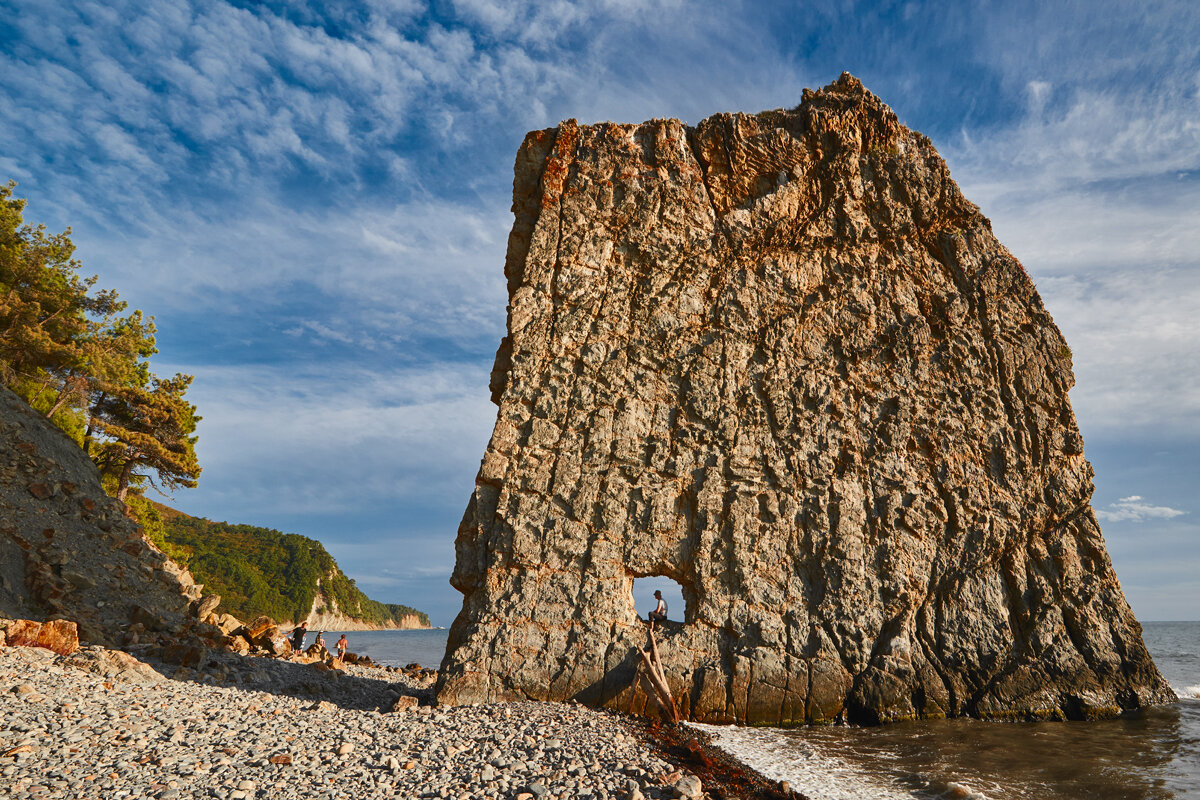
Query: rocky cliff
x,y
780,359
326,615
67,550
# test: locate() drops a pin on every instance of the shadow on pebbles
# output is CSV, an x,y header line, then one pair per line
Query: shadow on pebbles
x,y
101,724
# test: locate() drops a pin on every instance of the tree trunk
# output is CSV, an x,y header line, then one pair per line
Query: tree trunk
x,y
91,427
63,396
123,481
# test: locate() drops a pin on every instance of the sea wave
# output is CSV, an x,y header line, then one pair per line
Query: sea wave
x,y
1188,692
782,757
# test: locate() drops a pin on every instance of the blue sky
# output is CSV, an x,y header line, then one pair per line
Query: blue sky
x,y
313,201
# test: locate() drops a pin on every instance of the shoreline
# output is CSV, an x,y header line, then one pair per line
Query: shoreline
x,y
99,723
363,627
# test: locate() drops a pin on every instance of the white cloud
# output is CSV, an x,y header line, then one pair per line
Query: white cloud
x,y
1085,190
336,438
1135,509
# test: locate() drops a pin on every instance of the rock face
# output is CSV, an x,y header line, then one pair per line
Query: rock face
x,y
67,550
781,360
334,619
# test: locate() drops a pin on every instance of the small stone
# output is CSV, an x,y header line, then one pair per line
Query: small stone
x,y
405,703
688,787
345,749
282,759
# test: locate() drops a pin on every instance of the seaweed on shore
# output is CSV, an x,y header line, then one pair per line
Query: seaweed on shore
x,y
721,775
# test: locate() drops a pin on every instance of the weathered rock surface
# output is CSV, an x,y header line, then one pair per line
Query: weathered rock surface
x,y
67,550
59,635
782,360
113,664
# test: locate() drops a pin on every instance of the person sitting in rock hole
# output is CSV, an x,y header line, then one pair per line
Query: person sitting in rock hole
x,y
659,614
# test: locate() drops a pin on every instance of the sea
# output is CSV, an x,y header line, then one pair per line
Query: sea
x,y
1153,754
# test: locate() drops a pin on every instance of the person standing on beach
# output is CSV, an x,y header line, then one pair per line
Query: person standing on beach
x,y
298,637
342,644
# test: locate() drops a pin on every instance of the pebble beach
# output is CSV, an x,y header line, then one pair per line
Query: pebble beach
x,y
85,727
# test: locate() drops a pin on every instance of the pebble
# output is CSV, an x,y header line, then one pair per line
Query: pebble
x,y
227,739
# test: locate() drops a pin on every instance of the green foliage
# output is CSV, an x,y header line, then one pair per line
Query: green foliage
x,y
263,571
147,428
68,351
1065,353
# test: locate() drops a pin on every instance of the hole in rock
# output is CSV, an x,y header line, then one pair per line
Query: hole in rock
x,y
644,600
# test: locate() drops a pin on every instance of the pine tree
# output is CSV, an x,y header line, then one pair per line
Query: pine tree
x,y
147,429
68,351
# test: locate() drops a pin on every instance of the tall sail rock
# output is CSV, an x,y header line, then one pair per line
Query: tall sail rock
x,y
781,360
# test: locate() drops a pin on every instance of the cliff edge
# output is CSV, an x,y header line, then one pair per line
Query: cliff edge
x,y
781,360
67,550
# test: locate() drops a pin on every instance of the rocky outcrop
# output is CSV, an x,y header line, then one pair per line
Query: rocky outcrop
x,y
59,635
781,360
67,550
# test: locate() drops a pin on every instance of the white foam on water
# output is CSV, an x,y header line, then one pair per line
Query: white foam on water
x,y
1188,692
781,757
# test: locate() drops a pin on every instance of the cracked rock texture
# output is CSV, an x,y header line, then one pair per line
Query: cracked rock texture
x,y
782,360
67,550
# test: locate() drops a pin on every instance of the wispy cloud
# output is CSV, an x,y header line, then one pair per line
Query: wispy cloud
x,y
1135,509
313,199
349,438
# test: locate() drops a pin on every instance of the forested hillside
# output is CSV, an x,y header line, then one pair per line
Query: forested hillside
x,y
262,571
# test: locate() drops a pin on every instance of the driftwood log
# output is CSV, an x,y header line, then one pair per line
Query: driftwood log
x,y
651,666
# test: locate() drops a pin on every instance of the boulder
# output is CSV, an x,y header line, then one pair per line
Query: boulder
x,y
274,642
113,664
59,635
259,626
405,703
207,605
236,644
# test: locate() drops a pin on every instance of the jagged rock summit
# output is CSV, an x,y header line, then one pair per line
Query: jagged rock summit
x,y
780,359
